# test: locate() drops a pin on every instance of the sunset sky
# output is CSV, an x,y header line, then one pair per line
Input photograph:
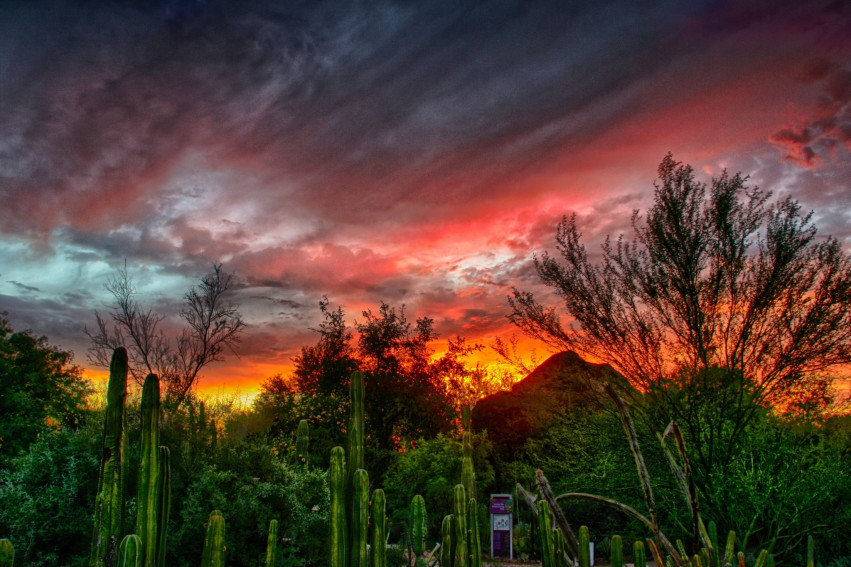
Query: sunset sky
x,y
417,153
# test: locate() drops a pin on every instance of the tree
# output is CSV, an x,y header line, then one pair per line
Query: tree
x,y
42,389
212,324
723,298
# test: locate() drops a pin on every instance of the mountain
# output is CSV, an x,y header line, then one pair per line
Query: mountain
x,y
562,382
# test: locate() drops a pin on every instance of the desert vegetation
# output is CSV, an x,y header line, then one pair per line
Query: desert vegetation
x,y
707,432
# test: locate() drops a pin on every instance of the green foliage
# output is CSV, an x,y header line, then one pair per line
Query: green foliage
x,y
432,469
47,496
43,390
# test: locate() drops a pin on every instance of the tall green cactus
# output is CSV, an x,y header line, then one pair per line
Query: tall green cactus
x,y
109,502
616,553
418,525
339,532
7,553
558,549
712,530
762,558
475,540
354,451
130,552
378,548
148,498
214,541
163,503
468,475
545,534
638,556
730,548
584,547
360,520
447,531
461,534
272,544
302,440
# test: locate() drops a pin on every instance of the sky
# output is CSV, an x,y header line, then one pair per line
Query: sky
x,y
416,153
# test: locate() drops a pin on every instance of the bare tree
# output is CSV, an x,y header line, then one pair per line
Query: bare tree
x,y
212,324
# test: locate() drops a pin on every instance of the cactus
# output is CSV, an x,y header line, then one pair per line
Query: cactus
x,y
706,557
130,552
696,561
740,559
109,502
811,555
638,556
164,503
378,549
461,535
682,549
762,559
584,555
712,529
418,525
302,440
272,544
558,549
616,554
468,475
339,532
730,548
447,536
360,519
354,450
545,533
475,541
7,553
214,541
148,501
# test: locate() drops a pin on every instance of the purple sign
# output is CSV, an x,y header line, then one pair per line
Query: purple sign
x,y
500,504
501,507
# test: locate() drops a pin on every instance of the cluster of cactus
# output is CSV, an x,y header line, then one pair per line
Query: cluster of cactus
x,y
147,546
350,502
461,545
709,556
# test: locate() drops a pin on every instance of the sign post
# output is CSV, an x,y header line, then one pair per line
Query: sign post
x,y
502,527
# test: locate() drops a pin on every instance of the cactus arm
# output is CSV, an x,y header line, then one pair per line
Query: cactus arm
x,y
638,556
378,549
214,541
448,533
146,519
616,555
164,507
272,544
584,555
475,539
460,520
545,533
360,520
130,552
418,524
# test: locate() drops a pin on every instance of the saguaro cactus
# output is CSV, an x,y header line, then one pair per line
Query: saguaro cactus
x,y
148,497
616,553
354,449
214,541
337,484
545,534
418,526
163,503
460,520
272,544
302,440
378,549
584,547
447,531
360,519
7,553
109,502
130,552
475,540
638,555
